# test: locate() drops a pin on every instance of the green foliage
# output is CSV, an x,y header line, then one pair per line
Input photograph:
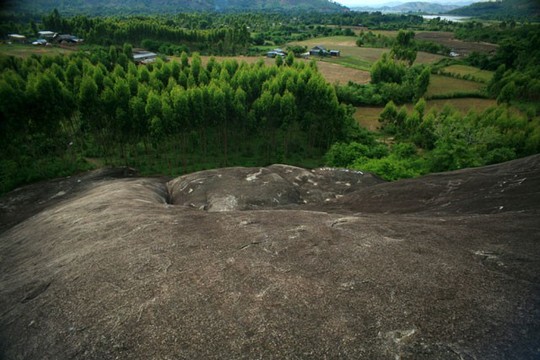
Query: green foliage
x,y
124,7
403,48
177,113
441,141
504,9
391,80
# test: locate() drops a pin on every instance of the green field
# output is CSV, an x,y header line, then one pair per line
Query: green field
x,y
358,57
445,85
462,70
463,105
25,51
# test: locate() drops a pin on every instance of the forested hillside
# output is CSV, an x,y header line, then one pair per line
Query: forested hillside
x,y
108,7
501,9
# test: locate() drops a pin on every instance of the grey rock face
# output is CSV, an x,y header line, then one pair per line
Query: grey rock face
x,y
276,262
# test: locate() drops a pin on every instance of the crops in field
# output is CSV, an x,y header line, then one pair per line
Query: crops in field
x,y
465,70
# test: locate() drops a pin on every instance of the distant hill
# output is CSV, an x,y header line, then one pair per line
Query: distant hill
x,y
101,7
412,7
501,9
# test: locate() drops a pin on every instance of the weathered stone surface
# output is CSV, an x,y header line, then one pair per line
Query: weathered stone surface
x,y
275,262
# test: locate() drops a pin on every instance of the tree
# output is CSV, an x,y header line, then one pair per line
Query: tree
x,y
422,83
279,60
289,60
404,47
508,93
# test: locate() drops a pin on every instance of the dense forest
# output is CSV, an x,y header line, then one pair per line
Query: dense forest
x,y
207,33
502,10
57,109
95,106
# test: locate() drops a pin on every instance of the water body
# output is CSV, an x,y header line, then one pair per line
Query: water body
x,y
447,17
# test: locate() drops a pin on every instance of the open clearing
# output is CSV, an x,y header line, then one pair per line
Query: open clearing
x,y
368,117
25,51
462,105
463,48
348,48
445,85
483,75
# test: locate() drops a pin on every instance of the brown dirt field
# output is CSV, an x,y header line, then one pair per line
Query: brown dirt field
x,y
463,48
276,262
334,73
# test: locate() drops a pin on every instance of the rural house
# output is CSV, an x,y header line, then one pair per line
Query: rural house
x,y
276,52
66,39
320,50
144,57
45,34
17,38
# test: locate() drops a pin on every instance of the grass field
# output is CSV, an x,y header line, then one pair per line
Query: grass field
x,y
483,75
368,117
358,57
445,85
462,105
463,48
24,51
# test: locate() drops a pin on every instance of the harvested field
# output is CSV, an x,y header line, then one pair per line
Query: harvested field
x,y
335,73
463,48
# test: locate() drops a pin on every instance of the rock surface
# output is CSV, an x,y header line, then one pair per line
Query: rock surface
x,y
276,262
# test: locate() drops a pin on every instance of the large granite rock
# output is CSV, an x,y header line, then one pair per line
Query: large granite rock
x,y
276,262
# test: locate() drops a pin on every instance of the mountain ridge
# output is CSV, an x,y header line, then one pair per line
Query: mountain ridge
x,y
104,7
414,7
501,9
